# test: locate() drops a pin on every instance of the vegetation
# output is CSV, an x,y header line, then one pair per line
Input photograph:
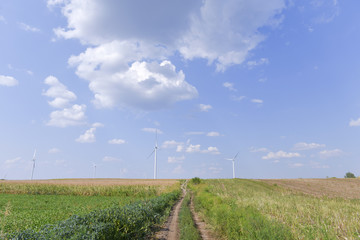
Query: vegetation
x,y
133,221
349,175
195,180
31,206
187,228
249,209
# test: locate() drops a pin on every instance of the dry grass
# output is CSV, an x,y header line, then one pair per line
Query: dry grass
x,y
330,187
97,182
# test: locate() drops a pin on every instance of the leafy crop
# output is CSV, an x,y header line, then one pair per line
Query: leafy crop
x,y
133,221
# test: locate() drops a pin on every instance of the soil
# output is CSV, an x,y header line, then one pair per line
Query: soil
x,y
329,187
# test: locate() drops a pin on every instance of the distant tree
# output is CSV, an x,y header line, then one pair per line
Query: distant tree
x,y
349,175
196,180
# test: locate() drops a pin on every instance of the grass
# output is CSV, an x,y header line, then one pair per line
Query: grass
x,y
248,209
31,206
187,228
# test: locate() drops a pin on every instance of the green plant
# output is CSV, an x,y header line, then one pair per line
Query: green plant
x,y
349,175
195,180
188,231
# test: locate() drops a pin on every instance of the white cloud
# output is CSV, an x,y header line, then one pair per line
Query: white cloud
x,y
8,81
179,169
110,159
213,134
62,96
171,144
193,148
204,107
280,154
176,159
10,163
259,101
262,61
54,150
143,85
152,130
194,133
211,150
307,146
116,141
238,98
296,165
229,86
254,150
88,136
72,116
28,28
126,65
330,153
354,123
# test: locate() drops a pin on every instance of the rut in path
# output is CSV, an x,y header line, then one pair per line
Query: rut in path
x,y
171,229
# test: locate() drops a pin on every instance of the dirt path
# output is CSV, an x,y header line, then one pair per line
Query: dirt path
x,y
171,230
200,224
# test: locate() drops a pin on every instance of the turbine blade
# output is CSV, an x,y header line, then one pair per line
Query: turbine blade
x,y
236,156
151,154
34,155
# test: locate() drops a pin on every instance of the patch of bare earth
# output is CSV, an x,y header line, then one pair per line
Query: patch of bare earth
x,y
170,230
205,232
329,187
98,181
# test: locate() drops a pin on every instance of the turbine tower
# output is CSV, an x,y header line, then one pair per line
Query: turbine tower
x,y
233,163
33,168
94,165
155,156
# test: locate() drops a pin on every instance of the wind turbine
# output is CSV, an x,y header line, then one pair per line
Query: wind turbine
x,y
94,165
155,156
33,168
233,163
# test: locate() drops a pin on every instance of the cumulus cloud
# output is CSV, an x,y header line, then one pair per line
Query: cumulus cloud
x,y
331,153
171,144
307,146
204,107
62,96
211,150
8,81
28,28
193,148
127,63
88,136
262,61
73,116
213,134
116,141
54,150
281,154
259,101
354,123
229,86
176,159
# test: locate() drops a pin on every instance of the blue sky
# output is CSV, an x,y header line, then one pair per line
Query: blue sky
x,y
88,82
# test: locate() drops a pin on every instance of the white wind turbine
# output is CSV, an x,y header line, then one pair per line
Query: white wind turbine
x,y
33,168
233,163
94,166
155,156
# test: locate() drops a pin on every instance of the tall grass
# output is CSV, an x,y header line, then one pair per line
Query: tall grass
x,y
247,209
188,231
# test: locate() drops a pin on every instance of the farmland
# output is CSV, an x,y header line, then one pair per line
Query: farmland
x,y
280,209
32,205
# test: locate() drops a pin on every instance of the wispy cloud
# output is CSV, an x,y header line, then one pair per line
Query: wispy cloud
x,y
205,107
331,153
261,61
116,141
354,123
229,86
152,130
281,154
307,146
258,101
28,28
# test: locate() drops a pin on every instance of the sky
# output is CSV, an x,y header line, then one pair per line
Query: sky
x,y
89,83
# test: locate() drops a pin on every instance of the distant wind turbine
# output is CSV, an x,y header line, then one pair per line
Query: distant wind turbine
x,y
233,163
33,168
155,156
94,165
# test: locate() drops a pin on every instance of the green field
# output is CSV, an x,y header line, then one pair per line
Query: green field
x,y
251,209
32,206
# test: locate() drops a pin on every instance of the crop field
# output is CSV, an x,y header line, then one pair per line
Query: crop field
x,y
31,205
280,209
